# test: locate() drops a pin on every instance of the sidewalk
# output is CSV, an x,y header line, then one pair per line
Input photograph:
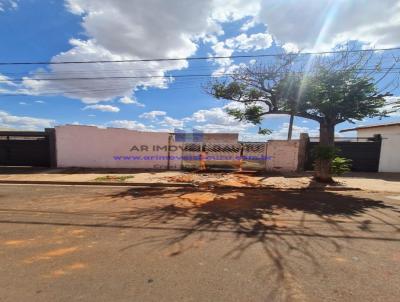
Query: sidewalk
x,y
382,182
84,176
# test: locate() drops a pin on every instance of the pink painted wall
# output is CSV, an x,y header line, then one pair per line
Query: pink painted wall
x,y
284,156
92,147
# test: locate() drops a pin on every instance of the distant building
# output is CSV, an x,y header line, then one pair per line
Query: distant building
x,y
390,152
210,138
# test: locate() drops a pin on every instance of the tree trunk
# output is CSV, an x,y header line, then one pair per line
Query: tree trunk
x,y
290,127
326,139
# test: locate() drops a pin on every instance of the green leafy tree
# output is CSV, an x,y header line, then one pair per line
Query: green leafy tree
x,y
329,89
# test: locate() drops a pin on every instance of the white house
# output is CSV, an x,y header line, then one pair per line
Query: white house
x,y
390,152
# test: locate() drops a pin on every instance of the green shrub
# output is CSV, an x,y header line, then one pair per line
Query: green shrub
x,y
340,165
324,152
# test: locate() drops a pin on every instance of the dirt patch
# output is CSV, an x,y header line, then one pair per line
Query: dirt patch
x,y
199,197
51,254
238,180
217,179
115,178
66,270
180,178
17,243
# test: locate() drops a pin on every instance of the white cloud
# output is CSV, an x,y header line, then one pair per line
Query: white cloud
x,y
8,4
119,30
226,69
320,24
290,48
93,91
22,103
233,10
132,125
39,102
215,115
152,115
217,128
243,42
129,100
104,108
282,132
24,122
171,122
209,120
220,50
216,120
249,24
6,81
7,85
392,107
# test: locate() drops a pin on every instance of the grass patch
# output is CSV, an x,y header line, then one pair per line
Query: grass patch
x,y
113,178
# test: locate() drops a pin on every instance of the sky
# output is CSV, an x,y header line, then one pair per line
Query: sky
x,y
152,99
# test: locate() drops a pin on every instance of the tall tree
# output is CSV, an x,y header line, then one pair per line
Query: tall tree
x,y
329,89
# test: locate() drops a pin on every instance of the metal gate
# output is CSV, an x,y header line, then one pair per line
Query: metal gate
x,y
191,155
364,153
225,156
26,148
254,156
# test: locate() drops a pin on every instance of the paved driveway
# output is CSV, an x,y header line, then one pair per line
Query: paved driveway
x,y
61,243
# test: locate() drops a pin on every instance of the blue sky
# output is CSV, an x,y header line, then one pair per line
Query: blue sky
x,y
81,30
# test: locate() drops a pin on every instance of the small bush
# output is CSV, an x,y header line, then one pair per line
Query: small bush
x,y
340,165
325,152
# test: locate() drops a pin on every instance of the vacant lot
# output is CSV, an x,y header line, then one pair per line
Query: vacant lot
x,y
61,243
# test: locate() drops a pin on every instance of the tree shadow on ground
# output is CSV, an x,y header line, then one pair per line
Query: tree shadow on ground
x,y
290,226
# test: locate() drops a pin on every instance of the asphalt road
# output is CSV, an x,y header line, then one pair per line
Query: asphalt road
x,y
61,243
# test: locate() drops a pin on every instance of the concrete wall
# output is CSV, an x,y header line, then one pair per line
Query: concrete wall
x,y
369,132
284,156
390,157
92,147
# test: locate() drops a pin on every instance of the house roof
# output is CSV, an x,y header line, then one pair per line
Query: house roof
x,y
371,126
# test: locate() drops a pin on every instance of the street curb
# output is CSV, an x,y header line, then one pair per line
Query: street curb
x,y
332,189
94,183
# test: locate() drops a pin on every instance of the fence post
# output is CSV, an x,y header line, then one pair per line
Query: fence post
x,y
51,136
266,157
169,152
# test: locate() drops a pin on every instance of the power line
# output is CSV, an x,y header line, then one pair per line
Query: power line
x,y
124,71
50,92
197,58
118,77
383,70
